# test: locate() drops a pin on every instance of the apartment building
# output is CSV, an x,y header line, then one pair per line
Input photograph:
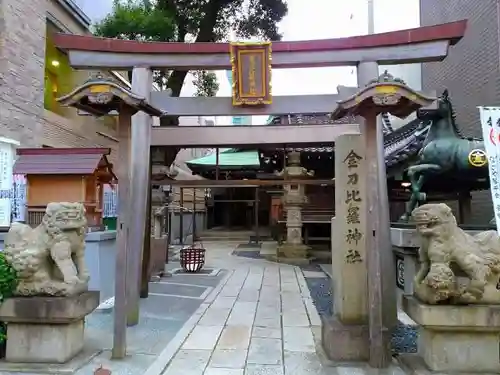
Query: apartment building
x,y
385,21
471,70
33,73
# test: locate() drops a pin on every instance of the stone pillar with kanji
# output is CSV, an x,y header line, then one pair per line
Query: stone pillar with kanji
x,y
345,334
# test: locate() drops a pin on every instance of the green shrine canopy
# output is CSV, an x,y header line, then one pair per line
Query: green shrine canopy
x,y
231,158
228,159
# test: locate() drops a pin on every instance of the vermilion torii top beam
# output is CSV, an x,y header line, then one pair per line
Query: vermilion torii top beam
x,y
423,44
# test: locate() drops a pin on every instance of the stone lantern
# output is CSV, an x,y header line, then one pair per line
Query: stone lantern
x,y
294,198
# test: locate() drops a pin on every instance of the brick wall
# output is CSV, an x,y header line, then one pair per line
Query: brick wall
x,y
471,70
22,72
22,52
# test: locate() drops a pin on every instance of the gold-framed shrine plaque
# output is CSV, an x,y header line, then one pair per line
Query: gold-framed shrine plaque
x,y
251,68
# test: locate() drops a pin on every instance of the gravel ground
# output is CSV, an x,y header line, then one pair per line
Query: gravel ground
x,y
321,294
404,337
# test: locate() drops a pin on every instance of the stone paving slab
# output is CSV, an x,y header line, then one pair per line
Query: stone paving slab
x,y
235,337
179,289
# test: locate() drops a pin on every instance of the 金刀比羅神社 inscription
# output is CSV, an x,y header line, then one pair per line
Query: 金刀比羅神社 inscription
x,y
251,76
354,236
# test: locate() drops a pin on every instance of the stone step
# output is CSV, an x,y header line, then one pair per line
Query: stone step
x,y
226,233
223,239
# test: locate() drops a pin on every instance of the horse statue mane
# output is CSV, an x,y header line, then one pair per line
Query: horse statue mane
x,y
445,96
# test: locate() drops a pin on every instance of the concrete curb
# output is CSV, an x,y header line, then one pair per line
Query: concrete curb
x,y
311,310
164,358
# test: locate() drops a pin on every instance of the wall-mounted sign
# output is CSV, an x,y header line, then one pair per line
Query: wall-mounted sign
x,y
251,67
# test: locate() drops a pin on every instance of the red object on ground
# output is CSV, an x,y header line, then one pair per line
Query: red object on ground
x,y
192,258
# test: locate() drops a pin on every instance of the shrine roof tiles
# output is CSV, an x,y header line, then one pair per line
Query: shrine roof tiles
x,y
60,164
400,144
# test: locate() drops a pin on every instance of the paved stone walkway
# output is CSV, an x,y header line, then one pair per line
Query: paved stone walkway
x,y
261,322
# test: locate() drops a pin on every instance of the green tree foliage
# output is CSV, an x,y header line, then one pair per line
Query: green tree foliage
x,y
194,21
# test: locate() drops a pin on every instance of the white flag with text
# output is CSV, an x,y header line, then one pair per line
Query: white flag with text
x,y
490,125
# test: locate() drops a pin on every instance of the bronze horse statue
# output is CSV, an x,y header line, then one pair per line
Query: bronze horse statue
x,y
445,152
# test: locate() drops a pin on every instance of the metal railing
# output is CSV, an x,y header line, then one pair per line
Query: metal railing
x,y
163,219
35,215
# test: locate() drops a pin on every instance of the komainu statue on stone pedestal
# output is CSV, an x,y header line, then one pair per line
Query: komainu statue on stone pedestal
x,y
456,268
49,259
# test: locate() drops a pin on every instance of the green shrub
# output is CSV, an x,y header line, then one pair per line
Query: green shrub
x,y
8,278
8,284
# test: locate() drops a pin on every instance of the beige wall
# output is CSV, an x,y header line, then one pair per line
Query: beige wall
x,y
64,17
22,51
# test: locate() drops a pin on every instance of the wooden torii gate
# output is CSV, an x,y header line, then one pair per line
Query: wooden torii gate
x,y
366,52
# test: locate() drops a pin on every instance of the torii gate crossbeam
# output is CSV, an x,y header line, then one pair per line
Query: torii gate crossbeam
x,y
424,44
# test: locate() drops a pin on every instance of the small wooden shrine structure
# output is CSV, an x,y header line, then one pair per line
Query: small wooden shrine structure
x,y
65,174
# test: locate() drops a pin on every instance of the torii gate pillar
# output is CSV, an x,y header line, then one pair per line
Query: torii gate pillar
x,y
142,83
99,97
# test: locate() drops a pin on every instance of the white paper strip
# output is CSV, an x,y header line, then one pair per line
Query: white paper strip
x,y
5,212
490,125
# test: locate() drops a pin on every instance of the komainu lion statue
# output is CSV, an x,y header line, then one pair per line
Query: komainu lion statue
x,y
49,259
455,267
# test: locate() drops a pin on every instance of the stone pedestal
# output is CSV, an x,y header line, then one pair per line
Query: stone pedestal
x,y
345,342
454,338
293,254
46,329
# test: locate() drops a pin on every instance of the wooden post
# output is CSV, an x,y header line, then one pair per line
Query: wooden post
x,y
256,207
169,223
375,240
146,252
142,80
181,217
194,215
464,206
377,352
123,170
387,260
217,171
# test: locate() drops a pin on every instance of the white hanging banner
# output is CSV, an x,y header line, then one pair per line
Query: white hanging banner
x,y
18,204
490,125
6,165
7,157
5,212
